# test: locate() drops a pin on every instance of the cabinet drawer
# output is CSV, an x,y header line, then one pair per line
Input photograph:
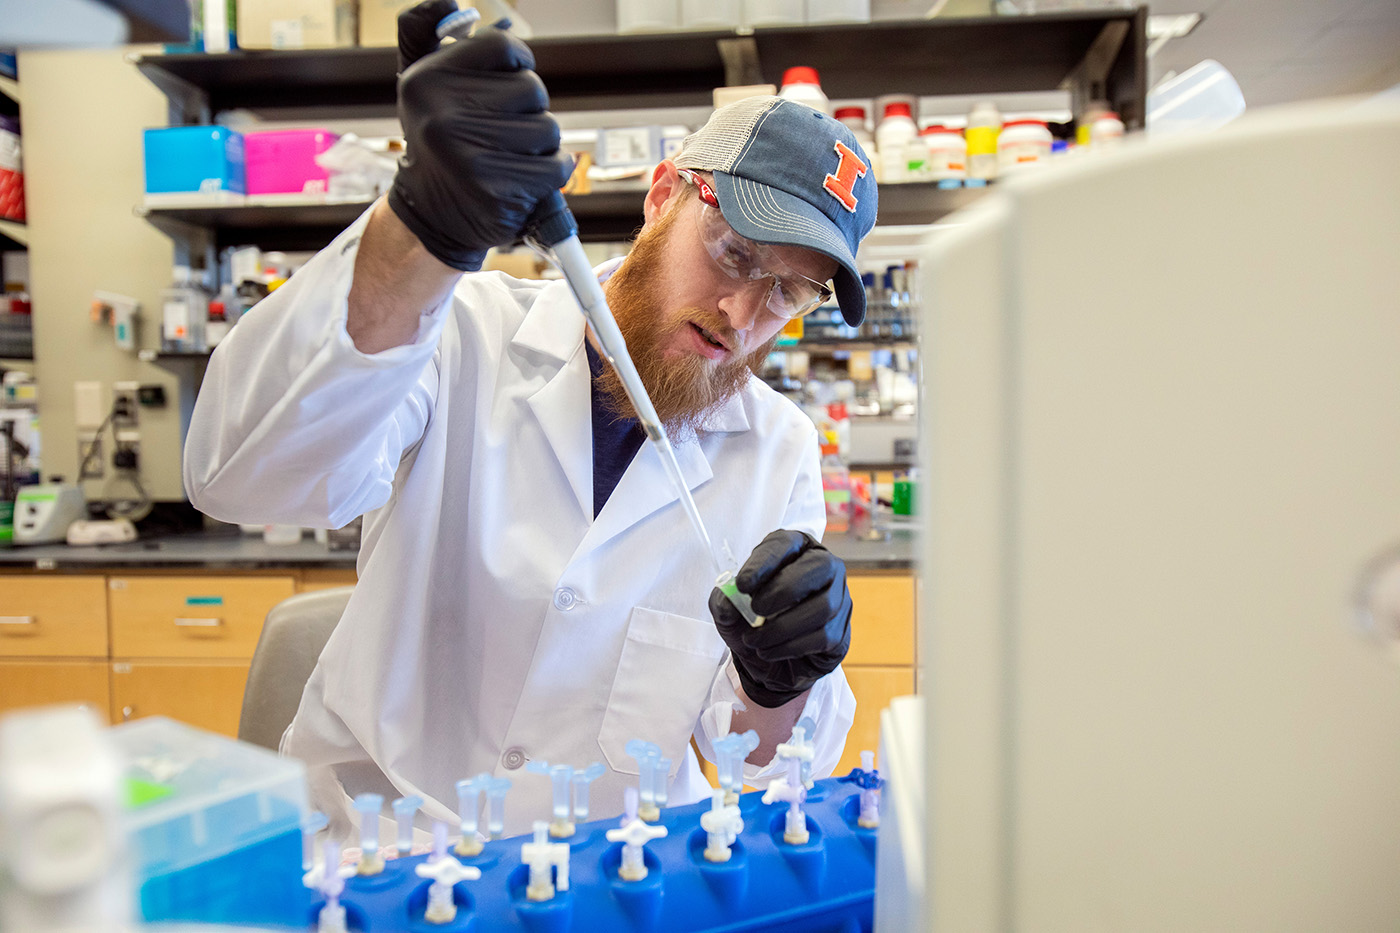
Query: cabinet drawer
x,y
324,579
191,617
207,694
43,683
874,687
882,623
53,617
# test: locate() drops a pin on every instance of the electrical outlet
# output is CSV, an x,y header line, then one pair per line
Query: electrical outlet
x,y
124,404
90,458
89,412
126,455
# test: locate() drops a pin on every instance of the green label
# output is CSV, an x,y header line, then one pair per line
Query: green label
x,y
837,496
204,600
37,496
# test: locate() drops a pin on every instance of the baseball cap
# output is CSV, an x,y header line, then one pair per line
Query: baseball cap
x,y
789,175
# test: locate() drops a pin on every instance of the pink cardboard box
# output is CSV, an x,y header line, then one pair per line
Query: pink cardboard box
x,y
284,161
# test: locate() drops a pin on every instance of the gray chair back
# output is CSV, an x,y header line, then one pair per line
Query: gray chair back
x,y
296,630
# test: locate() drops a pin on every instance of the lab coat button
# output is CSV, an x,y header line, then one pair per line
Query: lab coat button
x,y
565,599
514,758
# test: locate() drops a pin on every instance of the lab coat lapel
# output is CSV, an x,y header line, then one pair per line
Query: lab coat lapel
x,y
554,327
646,487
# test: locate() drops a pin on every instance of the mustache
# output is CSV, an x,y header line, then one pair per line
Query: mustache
x,y
717,324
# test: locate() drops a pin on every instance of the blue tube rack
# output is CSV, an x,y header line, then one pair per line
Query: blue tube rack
x,y
826,885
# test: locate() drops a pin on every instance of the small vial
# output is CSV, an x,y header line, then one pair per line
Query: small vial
x,y
659,778
647,755
311,824
405,808
468,807
368,806
496,806
790,790
581,781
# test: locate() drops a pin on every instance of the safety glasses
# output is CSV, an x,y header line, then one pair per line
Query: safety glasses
x,y
790,294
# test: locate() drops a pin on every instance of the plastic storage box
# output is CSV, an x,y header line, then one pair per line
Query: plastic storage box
x,y
214,825
194,165
283,162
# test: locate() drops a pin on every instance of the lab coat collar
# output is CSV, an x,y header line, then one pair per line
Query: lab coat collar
x,y
554,327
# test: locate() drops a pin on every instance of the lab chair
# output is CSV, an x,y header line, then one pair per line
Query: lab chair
x,y
296,630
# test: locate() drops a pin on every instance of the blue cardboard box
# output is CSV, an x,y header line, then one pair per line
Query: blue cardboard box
x,y
194,164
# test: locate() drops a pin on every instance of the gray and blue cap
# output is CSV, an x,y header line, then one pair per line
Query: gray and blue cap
x,y
789,175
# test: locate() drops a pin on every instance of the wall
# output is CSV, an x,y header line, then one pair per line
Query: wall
x,y
83,115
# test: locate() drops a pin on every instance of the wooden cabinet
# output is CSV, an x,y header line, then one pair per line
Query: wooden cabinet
x,y
325,579
882,620
207,694
874,687
57,617
191,617
41,683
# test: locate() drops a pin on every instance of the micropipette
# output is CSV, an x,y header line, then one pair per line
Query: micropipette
x,y
553,232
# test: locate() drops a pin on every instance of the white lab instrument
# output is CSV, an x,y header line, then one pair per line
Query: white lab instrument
x,y
44,511
63,865
544,859
445,872
101,531
789,790
369,807
1161,441
634,834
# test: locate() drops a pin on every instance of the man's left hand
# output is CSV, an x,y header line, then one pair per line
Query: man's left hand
x,y
799,587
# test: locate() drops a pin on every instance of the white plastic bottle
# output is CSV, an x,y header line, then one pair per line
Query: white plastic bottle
x,y
947,153
1106,130
1023,143
801,83
854,119
983,127
895,132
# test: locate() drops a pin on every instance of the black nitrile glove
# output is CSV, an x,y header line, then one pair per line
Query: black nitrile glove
x,y
482,148
799,587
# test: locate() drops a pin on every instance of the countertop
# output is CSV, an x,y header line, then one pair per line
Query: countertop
x,y
894,550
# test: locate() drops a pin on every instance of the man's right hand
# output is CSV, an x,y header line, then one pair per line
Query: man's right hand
x,y
482,150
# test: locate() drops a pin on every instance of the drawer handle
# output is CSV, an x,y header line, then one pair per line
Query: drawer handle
x,y
199,623
17,620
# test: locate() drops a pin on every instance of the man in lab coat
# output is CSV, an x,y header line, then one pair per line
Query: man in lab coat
x,y
529,586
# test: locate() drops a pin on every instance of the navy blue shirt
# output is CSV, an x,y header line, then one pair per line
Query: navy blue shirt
x,y
615,440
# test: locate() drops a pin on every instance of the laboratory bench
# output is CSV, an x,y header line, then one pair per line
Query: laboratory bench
x,y
167,626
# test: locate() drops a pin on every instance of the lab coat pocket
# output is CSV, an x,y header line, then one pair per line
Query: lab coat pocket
x,y
663,679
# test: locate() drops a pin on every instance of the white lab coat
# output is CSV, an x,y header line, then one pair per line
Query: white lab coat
x,y
495,619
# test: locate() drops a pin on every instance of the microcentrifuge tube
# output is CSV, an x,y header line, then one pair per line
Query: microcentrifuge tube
x,y
722,824
405,808
581,781
869,793
727,585
646,754
311,824
496,806
560,777
368,806
468,806
659,779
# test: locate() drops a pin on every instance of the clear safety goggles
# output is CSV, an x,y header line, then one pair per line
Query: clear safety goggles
x,y
790,293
